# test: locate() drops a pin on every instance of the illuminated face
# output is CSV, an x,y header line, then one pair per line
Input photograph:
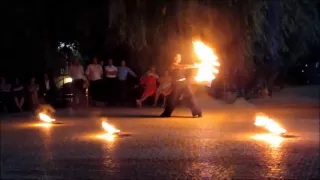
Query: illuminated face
x,y
46,76
95,60
123,63
177,58
76,62
110,61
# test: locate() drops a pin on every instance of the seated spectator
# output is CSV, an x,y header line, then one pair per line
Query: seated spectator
x,y
5,89
18,94
164,88
149,81
33,89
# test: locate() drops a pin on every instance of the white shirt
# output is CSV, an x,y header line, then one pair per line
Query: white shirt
x,y
47,85
111,71
76,72
94,72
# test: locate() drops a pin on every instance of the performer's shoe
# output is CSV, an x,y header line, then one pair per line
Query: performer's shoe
x,y
165,115
138,102
199,115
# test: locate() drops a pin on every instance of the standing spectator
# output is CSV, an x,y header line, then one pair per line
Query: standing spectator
x,y
94,73
150,83
33,92
123,72
110,81
48,89
5,89
164,89
18,94
77,74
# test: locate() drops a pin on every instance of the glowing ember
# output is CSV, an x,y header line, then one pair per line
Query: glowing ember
x,y
208,62
45,118
111,131
269,124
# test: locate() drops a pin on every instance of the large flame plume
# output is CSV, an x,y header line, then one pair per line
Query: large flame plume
x,y
207,67
269,124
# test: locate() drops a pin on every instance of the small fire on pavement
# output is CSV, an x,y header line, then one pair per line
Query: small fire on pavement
x,y
274,138
43,113
111,131
46,120
269,124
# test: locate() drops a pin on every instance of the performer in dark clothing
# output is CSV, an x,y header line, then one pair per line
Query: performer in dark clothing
x,y
180,86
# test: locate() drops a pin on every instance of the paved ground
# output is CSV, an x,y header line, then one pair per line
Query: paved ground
x,y
301,96
217,146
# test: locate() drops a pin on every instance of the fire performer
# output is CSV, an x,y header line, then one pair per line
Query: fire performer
x,y
181,85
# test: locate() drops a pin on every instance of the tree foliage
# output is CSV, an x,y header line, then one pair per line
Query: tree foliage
x,y
299,28
238,29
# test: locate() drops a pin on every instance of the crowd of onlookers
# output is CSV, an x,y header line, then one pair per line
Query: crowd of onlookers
x,y
109,84
16,96
105,83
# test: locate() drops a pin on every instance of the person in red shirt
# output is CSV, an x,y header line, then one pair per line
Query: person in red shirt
x,y
149,81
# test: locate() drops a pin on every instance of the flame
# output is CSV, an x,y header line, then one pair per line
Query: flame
x,y
68,80
45,118
271,139
269,124
111,131
109,128
208,62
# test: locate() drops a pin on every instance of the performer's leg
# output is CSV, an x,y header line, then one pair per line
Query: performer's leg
x,y
169,107
171,102
164,101
192,103
156,97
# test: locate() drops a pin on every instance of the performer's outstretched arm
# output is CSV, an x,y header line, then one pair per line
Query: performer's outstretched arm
x,y
183,66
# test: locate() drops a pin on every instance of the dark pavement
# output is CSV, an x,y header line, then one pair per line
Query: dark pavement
x,y
217,146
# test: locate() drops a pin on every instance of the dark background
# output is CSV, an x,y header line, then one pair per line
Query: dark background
x,y
33,29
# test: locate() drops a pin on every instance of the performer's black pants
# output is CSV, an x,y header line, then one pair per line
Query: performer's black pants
x,y
173,99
